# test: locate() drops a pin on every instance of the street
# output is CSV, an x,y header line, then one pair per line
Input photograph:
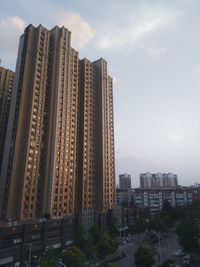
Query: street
x,y
168,246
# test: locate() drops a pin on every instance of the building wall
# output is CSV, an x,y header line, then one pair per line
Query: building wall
x,y
153,198
61,115
158,180
124,181
45,111
6,84
17,240
125,195
106,190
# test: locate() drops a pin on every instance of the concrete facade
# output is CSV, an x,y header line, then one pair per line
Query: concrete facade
x,y
61,117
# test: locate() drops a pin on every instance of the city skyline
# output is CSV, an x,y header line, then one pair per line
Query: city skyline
x,y
153,53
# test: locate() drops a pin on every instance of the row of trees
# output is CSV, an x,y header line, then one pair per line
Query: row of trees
x,y
188,229
86,246
94,243
168,217
144,257
187,220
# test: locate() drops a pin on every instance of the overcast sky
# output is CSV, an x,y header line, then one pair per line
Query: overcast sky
x,y
153,52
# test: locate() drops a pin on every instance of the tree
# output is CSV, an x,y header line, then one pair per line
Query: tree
x,y
166,263
112,226
188,234
167,208
157,224
95,234
87,242
106,246
144,257
140,225
80,238
124,203
49,259
73,257
112,264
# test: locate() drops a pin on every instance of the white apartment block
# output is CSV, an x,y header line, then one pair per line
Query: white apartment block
x,y
153,198
158,180
125,196
124,181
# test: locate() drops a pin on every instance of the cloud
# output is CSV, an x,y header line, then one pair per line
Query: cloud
x,y
176,137
196,72
81,31
154,50
146,21
10,30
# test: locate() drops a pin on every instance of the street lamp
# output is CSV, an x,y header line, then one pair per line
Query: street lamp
x,y
159,251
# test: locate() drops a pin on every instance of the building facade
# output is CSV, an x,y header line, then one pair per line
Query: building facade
x,y
96,168
124,181
158,180
61,117
125,197
152,199
6,84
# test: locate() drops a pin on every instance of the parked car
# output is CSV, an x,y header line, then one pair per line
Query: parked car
x,y
187,259
163,236
179,253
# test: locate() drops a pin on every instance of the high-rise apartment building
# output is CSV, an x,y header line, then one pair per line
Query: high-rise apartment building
x,y
47,143
96,170
158,180
125,181
6,84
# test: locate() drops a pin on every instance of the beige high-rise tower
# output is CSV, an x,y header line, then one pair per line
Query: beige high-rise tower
x,y
6,84
59,156
96,168
42,147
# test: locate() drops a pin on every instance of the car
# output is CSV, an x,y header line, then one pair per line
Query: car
x,y
179,253
187,259
163,236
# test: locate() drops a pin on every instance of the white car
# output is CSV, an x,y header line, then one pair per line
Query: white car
x,y
179,253
187,259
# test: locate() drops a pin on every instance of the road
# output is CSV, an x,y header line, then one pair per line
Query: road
x,y
168,247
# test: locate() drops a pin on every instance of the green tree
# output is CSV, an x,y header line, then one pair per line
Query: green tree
x,y
124,203
73,257
87,242
140,225
95,234
112,226
166,263
106,246
157,224
144,257
188,234
80,238
112,264
49,259
167,208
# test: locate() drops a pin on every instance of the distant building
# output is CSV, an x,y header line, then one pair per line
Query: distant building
x,y
153,199
124,181
125,196
158,180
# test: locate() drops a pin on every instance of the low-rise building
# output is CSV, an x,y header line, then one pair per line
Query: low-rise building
x,y
153,199
125,196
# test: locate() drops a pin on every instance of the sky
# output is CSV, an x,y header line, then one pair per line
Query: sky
x,y
153,52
